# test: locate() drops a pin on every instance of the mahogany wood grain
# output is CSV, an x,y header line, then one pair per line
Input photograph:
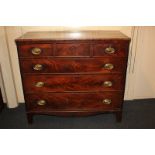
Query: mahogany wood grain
x,y
74,65
65,83
72,49
73,72
120,46
73,101
70,35
26,50
76,49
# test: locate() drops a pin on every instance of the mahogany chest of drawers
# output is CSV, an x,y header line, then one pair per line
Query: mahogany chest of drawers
x,y
73,73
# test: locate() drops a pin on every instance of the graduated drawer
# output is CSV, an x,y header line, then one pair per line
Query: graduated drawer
x,y
72,49
76,65
35,50
73,101
65,83
111,48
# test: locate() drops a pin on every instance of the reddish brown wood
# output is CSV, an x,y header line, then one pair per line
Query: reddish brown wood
x,y
65,83
73,72
73,65
72,49
44,37
73,101
120,46
26,50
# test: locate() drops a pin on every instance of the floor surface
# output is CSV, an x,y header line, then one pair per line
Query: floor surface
x,y
138,114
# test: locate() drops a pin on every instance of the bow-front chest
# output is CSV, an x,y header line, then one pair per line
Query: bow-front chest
x,y
75,73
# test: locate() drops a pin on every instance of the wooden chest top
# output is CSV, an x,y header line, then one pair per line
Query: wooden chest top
x,y
72,35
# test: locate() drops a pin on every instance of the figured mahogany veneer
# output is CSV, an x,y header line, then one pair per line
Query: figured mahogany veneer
x,y
26,50
72,49
74,101
120,46
74,65
65,83
73,73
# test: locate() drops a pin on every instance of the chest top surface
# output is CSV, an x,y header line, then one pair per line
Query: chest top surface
x,y
71,35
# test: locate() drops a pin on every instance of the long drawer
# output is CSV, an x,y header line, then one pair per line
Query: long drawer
x,y
64,83
74,65
73,101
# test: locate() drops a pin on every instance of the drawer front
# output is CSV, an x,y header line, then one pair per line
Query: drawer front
x,y
81,65
64,83
72,49
111,48
35,50
73,101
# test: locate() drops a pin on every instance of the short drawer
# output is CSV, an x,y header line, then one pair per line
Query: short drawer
x,y
65,65
116,48
66,83
72,49
35,50
73,101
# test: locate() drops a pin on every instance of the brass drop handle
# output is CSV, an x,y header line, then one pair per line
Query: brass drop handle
x,y
106,101
108,66
38,67
39,84
109,50
36,51
107,84
41,102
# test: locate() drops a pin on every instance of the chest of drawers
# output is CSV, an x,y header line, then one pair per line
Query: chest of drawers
x,y
73,73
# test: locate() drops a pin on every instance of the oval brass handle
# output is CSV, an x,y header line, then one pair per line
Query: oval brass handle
x,y
41,102
108,66
38,67
106,101
107,83
39,84
109,50
36,51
